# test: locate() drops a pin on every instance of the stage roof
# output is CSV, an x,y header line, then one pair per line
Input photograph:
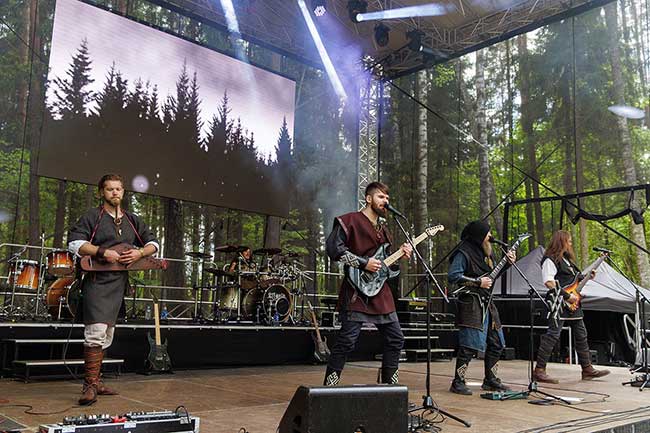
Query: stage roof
x,y
467,26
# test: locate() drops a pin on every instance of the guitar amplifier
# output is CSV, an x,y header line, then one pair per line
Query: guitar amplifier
x,y
132,422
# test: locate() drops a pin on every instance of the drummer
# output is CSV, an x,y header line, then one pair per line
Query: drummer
x,y
247,263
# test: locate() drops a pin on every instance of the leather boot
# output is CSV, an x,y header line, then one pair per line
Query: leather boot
x,y
491,382
92,365
102,389
458,385
539,375
389,376
332,377
589,372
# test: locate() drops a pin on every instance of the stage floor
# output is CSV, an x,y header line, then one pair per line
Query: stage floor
x,y
256,397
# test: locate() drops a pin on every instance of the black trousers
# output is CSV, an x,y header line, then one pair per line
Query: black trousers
x,y
349,335
547,341
493,351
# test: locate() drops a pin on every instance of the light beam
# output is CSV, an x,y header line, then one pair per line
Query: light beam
x,y
322,52
428,10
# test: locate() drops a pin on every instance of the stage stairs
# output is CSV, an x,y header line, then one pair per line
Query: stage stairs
x,y
413,317
46,355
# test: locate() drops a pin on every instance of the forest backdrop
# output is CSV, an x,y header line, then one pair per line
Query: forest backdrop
x,y
538,101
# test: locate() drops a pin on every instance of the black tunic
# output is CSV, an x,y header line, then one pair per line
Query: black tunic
x,y
103,292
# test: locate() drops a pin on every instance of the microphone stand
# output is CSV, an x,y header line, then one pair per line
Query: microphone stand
x,y
644,379
427,400
532,385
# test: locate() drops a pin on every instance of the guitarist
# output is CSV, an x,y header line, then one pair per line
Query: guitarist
x,y
473,259
558,264
103,292
353,241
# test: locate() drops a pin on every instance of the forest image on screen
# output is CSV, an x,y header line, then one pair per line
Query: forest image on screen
x,y
174,118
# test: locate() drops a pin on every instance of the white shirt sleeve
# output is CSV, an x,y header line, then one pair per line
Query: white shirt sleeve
x,y
155,244
74,246
548,271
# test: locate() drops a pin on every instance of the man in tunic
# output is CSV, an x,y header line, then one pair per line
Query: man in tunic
x,y
473,259
94,234
353,241
558,266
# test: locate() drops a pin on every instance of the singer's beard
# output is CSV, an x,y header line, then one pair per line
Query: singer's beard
x,y
114,202
380,211
487,248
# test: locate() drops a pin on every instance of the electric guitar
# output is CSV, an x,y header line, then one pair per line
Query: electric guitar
x,y
370,283
158,360
576,286
485,295
321,351
96,264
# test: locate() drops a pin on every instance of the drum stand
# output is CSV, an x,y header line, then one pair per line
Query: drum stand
x,y
41,278
11,310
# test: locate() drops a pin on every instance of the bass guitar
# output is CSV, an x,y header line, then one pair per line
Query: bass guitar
x,y
158,360
575,287
321,351
370,283
95,264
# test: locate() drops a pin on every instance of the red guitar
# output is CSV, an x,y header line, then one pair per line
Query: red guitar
x,y
95,264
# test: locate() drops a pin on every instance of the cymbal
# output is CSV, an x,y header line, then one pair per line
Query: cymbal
x,y
231,249
269,251
198,255
220,272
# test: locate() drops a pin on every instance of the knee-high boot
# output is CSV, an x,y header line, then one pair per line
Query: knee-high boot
x,y
463,358
101,388
92,365
332,377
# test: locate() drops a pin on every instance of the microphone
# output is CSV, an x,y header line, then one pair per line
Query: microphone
x,y
498,242
602,250
387,206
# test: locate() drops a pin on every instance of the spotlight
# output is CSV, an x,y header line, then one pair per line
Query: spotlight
x,y
356,7
382,34
319,7
415,39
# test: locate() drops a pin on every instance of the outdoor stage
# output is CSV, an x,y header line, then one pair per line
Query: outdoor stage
x,y
256,397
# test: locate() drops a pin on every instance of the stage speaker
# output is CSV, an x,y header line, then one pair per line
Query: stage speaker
x,y
347,409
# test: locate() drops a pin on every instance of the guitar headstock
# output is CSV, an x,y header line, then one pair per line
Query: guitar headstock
x,y
432,231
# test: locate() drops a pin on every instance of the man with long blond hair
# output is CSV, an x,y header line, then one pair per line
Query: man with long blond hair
x,y
558,267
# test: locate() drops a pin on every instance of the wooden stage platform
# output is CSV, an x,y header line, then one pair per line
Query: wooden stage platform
x,y
256,397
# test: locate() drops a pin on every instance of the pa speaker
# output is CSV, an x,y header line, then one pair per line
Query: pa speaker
x,y
347,409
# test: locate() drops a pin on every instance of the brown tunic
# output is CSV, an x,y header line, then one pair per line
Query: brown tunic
x,y
363,240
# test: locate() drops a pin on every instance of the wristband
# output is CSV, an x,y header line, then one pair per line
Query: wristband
x,y
100,252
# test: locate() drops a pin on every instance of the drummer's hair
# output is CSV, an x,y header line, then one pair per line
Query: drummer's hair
x,y
105,178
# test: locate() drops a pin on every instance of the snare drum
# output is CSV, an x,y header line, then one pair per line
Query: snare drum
x,y
60,263
23,274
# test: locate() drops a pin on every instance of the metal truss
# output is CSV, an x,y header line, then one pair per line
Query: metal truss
x,y
368,136
467,25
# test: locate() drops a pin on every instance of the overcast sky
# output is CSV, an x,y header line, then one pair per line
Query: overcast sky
x,y
259,97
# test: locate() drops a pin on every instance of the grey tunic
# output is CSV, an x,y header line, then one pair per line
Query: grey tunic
x,y
103,292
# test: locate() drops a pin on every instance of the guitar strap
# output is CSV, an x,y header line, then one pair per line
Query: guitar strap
x,y
99,218
128,218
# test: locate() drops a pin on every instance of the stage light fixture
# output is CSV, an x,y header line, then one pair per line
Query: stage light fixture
x,y
382,34
414,38
319,7
356,7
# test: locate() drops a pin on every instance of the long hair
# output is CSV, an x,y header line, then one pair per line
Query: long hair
x,y
558,246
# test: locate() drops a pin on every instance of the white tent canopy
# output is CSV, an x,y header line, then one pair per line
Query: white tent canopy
x,y
608,291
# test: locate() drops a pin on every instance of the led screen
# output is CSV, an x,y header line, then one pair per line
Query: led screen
x,y
174,118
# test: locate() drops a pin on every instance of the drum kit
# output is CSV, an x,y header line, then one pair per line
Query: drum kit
x,y
40,288
261,286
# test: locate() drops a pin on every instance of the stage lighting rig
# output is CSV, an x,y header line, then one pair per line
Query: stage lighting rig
x,y
382,34
356,7
319,7
414,38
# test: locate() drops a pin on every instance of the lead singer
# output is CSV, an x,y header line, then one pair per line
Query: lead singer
x,y
353,241
103,292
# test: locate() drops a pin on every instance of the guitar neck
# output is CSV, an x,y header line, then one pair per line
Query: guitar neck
x,y
315,322
587,272
156,317
399,253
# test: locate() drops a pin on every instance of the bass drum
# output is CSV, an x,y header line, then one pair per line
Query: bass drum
x,y
63,297
265,304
